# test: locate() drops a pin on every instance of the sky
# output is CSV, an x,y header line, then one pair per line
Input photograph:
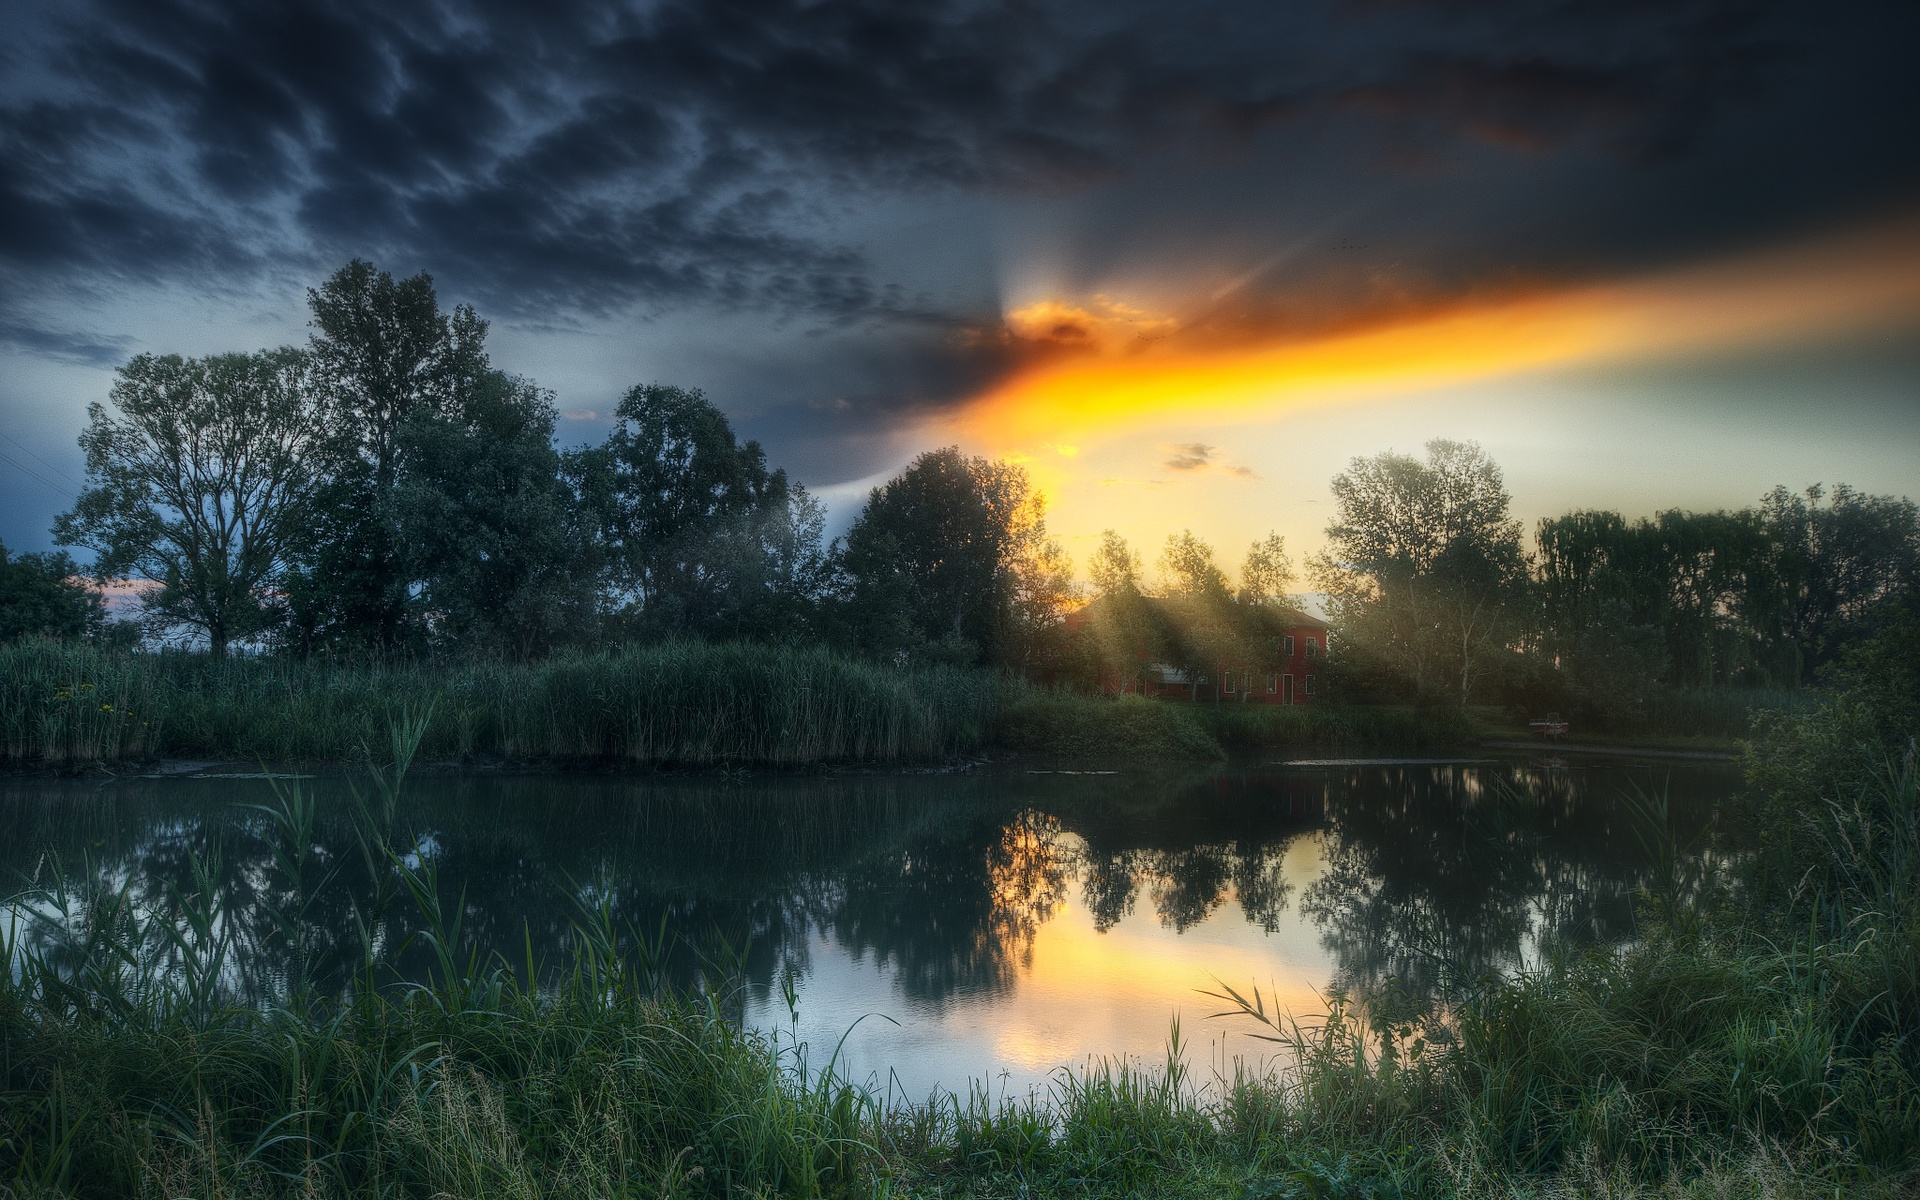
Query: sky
x,y
1183,262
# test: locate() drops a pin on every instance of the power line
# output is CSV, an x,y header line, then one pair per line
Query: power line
x,y
60,472
34,475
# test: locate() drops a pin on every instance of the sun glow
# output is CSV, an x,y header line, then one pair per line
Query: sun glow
x,y
1113,369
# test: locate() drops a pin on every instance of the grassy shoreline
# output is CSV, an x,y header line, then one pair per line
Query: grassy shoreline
x,y
673,705
683,705
1757,1041
1718,1055
680,703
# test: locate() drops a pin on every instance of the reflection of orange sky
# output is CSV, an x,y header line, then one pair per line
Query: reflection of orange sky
x,y
1117,373
1087,993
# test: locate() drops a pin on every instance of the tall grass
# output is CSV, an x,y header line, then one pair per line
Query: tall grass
x,y
1712,1057
690,703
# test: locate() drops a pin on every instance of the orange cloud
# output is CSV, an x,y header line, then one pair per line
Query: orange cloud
x,y
1102,324
1139,372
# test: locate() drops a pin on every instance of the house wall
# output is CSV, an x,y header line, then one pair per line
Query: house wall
x,y
1169,684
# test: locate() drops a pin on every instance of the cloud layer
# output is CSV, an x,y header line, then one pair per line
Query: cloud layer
x,y
570,160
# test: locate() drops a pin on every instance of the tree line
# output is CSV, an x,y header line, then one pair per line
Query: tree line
x,y
384,489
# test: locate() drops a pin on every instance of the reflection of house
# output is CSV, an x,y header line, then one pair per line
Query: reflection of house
x,y
1197,649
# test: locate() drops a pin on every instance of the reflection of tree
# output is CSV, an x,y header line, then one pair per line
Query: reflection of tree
x,y
1259,879
1187,885
1436,876
957,914
1190,845
1431,874
1107,885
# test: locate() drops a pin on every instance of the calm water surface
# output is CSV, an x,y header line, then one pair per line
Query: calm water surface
x,y
988,927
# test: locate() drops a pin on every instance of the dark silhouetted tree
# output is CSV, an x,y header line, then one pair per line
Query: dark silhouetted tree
x,y
42,595
699,536
199,476
383,353
951,559
494,556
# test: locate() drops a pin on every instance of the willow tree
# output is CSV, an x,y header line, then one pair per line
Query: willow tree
x,y
200,474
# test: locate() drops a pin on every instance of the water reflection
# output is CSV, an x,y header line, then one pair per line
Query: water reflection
x,y
935,897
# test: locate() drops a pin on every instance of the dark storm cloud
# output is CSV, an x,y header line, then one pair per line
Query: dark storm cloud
x,y
62,345
568,158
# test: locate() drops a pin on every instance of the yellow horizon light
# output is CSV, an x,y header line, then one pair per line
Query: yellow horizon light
x,y
1812,288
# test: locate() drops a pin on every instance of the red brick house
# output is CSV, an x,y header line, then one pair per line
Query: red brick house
x,y
1192,649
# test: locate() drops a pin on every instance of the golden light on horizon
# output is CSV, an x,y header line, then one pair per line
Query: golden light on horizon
x,y
1121,370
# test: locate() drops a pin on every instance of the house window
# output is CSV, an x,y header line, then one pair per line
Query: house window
x,y
1313,647
1312,681
1273,685
1286,645
1226,682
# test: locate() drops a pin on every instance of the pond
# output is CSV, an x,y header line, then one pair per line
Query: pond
x,y
939,930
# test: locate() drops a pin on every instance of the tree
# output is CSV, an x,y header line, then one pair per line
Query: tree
x,y
1114,568
1600,641
1826,566
1202,630
940,556
1424,564
488,536
1266,573
699,535
42,595
200,476
1188,569
383,352
1122,635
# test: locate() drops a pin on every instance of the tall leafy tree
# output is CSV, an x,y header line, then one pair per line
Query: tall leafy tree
x,y
1121,626
699,535
1114,567
42,595
1201,630
200,475
1600,634
1830,558
942,555
1424,565
491,548
383,352
1187,568
1266,573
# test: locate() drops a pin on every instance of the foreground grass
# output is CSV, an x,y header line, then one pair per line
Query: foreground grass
x,y
1714,1057
682,703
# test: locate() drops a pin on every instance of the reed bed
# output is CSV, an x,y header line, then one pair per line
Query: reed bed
x,y
679,703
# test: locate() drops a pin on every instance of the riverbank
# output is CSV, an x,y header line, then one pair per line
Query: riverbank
x,y
682,705
688,705
1745,1043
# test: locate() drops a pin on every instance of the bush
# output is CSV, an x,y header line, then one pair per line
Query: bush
x,y
1130,728
1331,726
